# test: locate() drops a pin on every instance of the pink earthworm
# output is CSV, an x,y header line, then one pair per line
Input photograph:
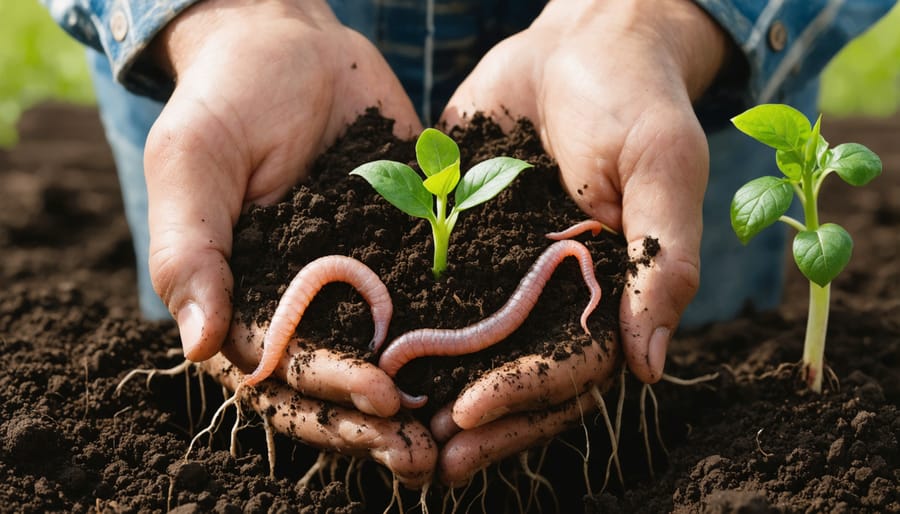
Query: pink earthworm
x,y
496,327
298,295
579,228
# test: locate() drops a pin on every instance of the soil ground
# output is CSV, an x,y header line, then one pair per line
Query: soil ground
x,y
751,441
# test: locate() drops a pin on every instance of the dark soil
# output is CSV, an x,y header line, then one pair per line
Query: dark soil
x,y
491,249
753,442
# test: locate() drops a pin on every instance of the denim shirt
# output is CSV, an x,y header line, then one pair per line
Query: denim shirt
x,y
433,44
780,46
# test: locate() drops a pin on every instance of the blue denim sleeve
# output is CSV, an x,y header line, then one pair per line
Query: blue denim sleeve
x,y
786,43
121,29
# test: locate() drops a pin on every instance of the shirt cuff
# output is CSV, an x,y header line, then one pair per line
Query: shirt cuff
x,y
122,30
784,44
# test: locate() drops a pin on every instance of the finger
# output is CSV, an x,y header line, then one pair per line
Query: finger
x,y
493,89
442,425
319,372
663,189
534,382
472,450
194,197
405,447
365,65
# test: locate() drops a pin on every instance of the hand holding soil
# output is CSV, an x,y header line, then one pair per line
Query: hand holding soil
x,y
330,401
250,111
616,162
609,90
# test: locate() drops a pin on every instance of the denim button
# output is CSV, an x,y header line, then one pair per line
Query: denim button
x,y
778,36
118,24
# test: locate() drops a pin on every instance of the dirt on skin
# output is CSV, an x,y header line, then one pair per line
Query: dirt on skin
x,y
749,441
491,249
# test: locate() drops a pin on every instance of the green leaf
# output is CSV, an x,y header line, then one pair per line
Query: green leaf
x,y
780,126
441,184
758,204
435,151
790,163
823,253
486,179
855,163
400,185
811,148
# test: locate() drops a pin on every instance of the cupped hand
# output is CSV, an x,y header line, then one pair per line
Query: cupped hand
x,y
262,87
403,446
609,87
519,405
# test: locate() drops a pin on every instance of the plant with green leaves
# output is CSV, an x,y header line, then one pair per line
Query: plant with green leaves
x,y
821,250
428,198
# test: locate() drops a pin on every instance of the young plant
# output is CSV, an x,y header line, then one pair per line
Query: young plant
x,y
821,250
438,157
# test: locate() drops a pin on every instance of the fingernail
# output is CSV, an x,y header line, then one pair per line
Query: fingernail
x,y
190,324
656,353
492,415
362,402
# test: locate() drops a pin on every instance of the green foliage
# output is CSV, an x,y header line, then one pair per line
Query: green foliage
x,y
760,203
438,157
821,251
864,78
803,156
37,61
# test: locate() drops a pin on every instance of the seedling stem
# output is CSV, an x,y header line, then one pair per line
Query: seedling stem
x,y
821,251
438,158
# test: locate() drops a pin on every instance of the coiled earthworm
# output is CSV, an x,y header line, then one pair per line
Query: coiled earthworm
x,y
298,295
579,228
496,327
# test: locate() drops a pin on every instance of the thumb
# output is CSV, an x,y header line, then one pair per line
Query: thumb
x,y
662,199
193,199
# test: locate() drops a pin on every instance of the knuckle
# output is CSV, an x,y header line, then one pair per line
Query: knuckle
x,y
164,265
684,280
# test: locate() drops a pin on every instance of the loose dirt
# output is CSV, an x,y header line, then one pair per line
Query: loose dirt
x,y
749,441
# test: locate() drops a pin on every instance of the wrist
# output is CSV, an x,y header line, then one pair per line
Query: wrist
x,y
177,45
678,35
700,47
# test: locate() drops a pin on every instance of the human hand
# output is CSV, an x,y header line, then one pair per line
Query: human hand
x,y
517,406
609,88
403,446
262,87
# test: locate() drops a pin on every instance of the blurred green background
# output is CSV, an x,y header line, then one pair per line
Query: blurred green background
x,y
39,61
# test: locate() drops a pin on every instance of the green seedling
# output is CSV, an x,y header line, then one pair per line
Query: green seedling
x,y
428,198
821,250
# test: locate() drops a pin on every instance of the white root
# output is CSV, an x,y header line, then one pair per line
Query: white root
x,y
613,439
216,419
423,497
511,486
764,453
116,415
350,467
691,381
644,429
152,373
200,374
644,425
482,495
659,438
315,470
270,446
537,480
395,496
